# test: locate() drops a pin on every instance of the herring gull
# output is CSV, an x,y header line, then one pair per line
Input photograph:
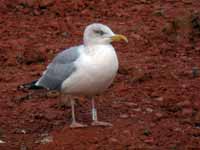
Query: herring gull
x,y
87,69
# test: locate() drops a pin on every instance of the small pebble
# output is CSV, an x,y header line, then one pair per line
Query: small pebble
x,y
133,115
65,34
187,111
131,104
20,131
149,140
124,116
46,140
184,86
196,105
149,110
159,115
127,132
113,140
160,99
137,109
46,3
2,142
185,103
178,129
116,105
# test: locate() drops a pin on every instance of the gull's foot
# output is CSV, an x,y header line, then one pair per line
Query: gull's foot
x,y
101,123
77,125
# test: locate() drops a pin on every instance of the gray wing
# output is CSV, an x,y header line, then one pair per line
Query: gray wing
x,y
59,69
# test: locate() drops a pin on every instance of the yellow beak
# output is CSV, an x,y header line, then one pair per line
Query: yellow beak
x,y
119,37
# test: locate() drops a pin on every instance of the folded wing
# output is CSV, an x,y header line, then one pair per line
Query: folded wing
x,y
59,69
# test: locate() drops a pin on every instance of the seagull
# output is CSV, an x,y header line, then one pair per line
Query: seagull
x,y
84,70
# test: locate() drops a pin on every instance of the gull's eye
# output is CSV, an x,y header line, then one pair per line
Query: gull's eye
x,y
100,32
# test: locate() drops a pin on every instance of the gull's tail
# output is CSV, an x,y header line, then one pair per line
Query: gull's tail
x,y
30,86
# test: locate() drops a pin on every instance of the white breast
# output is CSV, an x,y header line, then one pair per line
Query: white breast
x,y
96,69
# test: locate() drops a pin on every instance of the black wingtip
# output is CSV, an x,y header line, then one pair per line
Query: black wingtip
x,y
30,86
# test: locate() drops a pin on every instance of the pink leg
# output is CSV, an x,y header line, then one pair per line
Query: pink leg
x,y
75,124
95,121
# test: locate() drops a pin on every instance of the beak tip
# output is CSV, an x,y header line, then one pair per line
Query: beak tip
x,y
119,37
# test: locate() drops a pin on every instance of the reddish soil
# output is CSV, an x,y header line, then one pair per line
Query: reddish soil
x,y
154,102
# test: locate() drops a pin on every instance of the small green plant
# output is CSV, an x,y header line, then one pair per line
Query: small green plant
x,y
174,147
147,132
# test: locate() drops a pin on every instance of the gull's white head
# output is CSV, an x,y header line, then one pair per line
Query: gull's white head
x,y
97,33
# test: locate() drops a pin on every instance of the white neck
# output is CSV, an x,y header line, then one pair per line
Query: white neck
x,y
92,48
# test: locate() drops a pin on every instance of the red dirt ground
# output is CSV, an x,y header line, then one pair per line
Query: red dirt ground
x,y
154,102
